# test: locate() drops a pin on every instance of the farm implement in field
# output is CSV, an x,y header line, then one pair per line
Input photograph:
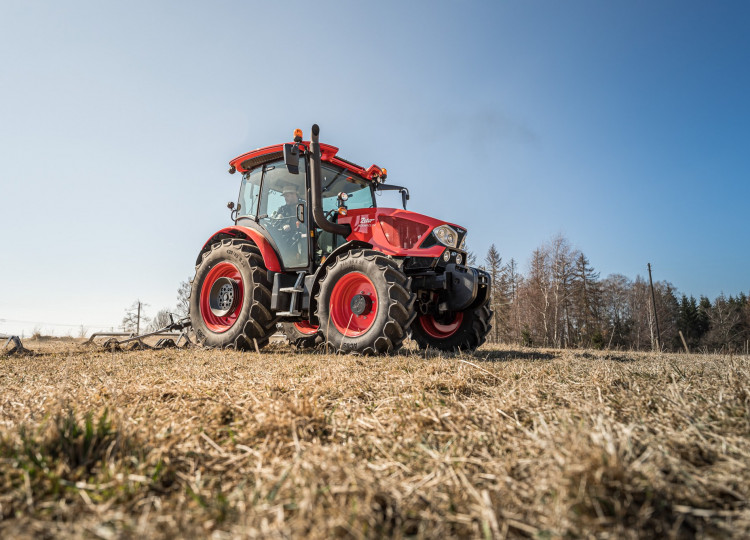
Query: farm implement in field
x,y
310,249
175,334
12,345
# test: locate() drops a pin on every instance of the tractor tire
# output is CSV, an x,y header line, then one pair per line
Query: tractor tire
x,y
230,298
302,335
365,304
460,331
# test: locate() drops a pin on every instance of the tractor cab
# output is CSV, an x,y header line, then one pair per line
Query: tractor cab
x,y
273,199
277,200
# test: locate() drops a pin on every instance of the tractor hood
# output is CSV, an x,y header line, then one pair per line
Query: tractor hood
x,y
401,232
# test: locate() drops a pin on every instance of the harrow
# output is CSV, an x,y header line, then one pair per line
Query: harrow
x,y
167,334
13,345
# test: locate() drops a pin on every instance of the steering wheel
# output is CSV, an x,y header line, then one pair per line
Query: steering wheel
x,y
287,229
278,222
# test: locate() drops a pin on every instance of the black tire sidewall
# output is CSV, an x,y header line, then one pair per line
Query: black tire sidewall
x,y
340,268
223,253
462,339
300,339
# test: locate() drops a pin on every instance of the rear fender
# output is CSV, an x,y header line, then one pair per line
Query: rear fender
x,y
270,258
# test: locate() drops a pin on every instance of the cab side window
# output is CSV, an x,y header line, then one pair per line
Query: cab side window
x,y
250,192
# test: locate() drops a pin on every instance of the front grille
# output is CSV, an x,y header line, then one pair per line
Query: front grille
x,y
401,232
419,263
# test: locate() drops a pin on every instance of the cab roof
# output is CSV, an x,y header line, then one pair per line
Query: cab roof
x,y
247,161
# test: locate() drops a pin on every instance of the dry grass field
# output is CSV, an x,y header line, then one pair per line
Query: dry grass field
x,y
507,442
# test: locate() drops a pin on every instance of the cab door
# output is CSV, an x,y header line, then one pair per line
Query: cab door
x,y
283,212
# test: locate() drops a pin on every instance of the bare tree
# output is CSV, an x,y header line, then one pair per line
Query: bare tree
x,y
725,320
160,320
537,291
183,298
615,292
134,317
562,259
642,313
514,281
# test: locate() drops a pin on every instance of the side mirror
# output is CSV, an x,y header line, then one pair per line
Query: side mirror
x,y
234,211
404,197
301,212
291,158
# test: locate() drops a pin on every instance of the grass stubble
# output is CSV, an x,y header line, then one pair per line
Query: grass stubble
x,y
501,443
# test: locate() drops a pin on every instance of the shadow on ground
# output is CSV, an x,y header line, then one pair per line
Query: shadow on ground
x,y
613,357
505,356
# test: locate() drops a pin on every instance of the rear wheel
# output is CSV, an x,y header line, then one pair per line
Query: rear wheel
x,y
458,331
302,334
230,297
365,304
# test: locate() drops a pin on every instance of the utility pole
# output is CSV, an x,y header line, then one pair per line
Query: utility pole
x,y
653,302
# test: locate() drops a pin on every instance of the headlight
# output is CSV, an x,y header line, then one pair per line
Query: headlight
x,y
446,236
462,247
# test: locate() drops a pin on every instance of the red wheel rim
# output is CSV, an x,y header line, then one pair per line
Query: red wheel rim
x,y
305,327
215,323
438,330
356,287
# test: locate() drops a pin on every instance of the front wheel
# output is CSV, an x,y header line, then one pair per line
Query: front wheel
x,y
457,331
365,304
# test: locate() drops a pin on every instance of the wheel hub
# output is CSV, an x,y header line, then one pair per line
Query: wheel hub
x,y
353,304
223,296
361,304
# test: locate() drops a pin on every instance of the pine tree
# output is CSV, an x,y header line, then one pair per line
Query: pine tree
x,y
586,299
494,265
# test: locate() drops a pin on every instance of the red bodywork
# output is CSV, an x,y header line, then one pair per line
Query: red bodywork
x,y
270,258
328,154
393,231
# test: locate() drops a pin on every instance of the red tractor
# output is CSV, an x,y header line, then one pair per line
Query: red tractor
x,y
311,250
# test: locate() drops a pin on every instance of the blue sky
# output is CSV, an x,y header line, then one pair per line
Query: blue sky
x,y
622,125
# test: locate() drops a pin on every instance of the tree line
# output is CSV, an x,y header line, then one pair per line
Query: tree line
x,y
562,302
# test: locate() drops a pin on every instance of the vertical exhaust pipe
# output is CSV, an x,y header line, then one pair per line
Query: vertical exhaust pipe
x,y
316,178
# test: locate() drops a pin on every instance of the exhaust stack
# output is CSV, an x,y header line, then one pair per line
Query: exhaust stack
x,y
317,189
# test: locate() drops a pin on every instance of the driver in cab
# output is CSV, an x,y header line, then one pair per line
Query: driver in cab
x,y
294,251
289,210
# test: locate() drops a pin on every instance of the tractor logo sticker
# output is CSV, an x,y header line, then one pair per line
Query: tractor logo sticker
x,y
364,223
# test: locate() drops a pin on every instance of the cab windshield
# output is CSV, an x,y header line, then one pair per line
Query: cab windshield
x,y
337,180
